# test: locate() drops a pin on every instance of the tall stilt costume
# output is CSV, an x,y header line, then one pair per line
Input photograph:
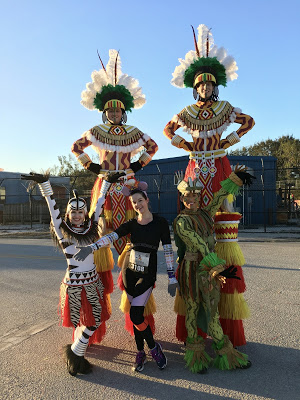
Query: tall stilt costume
x,y
84,300
204,70
139,270
232,306
115,143
200,274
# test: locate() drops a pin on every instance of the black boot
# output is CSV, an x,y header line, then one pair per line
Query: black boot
x,y
72,360
85,366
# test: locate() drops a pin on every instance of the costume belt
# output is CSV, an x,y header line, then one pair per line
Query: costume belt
x,y
208,155
81,278
190,256
129,172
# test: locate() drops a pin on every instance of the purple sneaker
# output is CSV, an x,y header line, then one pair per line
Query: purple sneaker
x,y
158,356
140,361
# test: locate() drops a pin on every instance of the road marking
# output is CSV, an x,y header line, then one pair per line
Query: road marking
x,y
30,256
19,335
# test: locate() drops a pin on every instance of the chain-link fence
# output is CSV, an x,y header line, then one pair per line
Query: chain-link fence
x,y
266,202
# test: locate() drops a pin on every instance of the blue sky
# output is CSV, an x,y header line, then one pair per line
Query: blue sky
x,y
49,49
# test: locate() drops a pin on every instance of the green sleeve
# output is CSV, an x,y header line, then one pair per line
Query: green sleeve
x,y
190,237
228,187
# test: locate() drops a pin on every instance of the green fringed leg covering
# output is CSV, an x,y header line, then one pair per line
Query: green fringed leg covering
x,y
195,356
228,357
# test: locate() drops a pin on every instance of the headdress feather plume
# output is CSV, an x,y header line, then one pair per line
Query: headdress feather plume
x,y
206,54
111,78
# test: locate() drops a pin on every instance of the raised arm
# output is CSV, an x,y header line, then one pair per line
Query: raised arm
x,y
47,192
231,185
246,123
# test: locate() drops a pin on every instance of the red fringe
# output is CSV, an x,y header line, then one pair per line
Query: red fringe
x,y
86,316
120,282
128,204
223,172
233,285
181,332
129,325
227,216
108,281
234,329
65,314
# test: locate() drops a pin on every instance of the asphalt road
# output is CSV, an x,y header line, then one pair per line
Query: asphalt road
x,y
31,338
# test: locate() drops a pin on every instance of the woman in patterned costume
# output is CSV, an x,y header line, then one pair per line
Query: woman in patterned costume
x,y
200,274
204,70
115,142
84,297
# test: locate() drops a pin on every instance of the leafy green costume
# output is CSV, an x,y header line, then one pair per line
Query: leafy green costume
x,y
199,281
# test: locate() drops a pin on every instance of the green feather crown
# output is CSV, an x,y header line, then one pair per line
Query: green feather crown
x,y
110,92
205,64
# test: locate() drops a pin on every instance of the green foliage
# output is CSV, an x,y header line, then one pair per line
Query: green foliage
x,y
286,149
81,179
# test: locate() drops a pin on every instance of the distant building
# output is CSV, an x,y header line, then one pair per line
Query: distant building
x,y
19,205
257,204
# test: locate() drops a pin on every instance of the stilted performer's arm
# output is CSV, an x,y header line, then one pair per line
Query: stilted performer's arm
x,y
177,140
246,122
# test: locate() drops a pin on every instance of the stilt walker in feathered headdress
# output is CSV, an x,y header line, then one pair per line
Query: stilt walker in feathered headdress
x,y
114,93
204,70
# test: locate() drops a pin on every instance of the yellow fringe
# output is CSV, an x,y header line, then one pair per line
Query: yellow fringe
x,y
130,214
149,309
233,306
230,198
231,252
103,259
108,216
179,304
123,254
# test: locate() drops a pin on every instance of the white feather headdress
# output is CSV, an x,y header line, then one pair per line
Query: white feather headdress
x,y
111,75
205,48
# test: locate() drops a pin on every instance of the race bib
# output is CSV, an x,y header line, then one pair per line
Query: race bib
x,y
139,261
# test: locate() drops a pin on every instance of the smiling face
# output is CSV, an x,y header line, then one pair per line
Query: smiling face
x,y
76,217
139,203
114,115
205,89
191,200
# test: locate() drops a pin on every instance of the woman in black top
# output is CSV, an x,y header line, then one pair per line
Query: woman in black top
x,y
140,268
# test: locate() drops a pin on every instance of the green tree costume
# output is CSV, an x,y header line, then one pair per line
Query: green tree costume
x,y
199,280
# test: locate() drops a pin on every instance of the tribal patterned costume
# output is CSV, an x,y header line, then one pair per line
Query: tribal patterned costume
x,y
199,282
115,146
115,143
206,120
